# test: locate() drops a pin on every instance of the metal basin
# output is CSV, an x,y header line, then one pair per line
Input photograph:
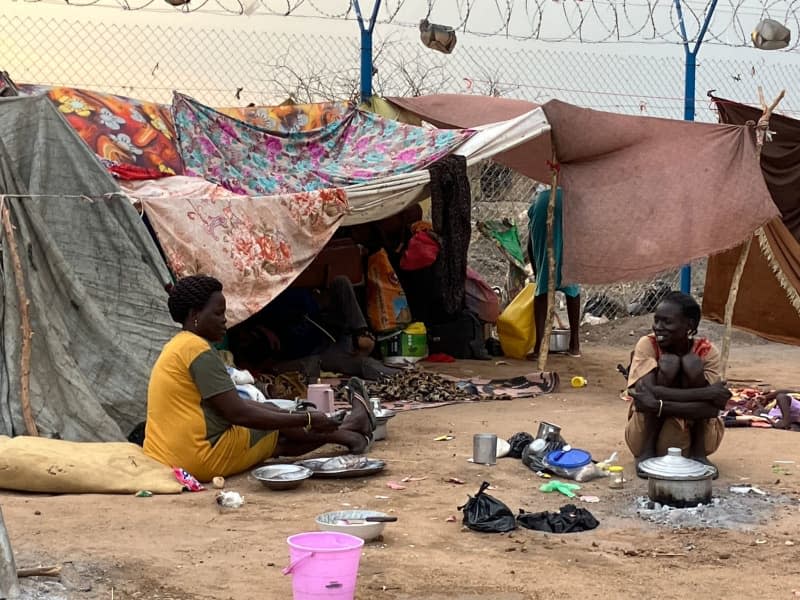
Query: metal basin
x,y
353,522
282,477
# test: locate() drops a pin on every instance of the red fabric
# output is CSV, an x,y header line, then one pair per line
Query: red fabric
x,y
421,252
701,346
128,172
440,358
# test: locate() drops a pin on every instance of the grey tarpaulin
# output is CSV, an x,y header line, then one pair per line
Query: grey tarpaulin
x,y
93,276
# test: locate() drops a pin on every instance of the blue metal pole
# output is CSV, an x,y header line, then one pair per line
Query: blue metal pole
x,y
688,115
366,47
689,95
366,64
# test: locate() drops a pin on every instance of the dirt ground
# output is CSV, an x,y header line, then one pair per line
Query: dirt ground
x,y
180,547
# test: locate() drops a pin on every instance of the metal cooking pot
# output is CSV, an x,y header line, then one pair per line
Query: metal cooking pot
x,y
677,481
559,340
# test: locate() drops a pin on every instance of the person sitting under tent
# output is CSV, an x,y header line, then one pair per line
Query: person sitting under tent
x,y
325,327
537,254
674,380
197,421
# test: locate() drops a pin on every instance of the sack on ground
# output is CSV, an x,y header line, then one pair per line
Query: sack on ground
x,y
487,514
387,305
515,326
44,465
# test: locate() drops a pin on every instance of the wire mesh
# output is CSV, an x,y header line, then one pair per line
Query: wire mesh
x,y
235,67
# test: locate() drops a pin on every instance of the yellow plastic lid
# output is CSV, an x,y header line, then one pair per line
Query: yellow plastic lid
x,y
416,329
615,469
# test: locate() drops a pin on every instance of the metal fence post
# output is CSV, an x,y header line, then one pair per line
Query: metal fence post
x,y
689,96
366,48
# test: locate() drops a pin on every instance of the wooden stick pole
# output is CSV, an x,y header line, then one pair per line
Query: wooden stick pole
x,y
762,129
50,571
9,584
24,315
544,348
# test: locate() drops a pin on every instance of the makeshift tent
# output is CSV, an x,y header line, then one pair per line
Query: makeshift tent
x,y
643,194
256,246
769,295
91,274
205,228
120,130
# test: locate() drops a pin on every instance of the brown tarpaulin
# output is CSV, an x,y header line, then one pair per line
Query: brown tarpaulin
x,y
762,305
642,195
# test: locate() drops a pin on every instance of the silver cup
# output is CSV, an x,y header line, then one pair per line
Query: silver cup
x,y
484,448
548,431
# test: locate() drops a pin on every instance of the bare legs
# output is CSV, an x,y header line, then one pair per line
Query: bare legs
x,y
784,402
574,318
573,315
352,434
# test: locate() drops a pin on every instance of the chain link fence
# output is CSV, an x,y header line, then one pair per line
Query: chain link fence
x,y
235,67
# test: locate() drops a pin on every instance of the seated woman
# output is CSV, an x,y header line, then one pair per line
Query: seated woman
x,y
197,421
676,386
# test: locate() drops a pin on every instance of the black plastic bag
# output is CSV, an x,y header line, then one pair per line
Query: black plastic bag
x,y
535,461
487,514
569,519
518,442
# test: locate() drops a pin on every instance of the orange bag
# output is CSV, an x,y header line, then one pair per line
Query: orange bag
x,y
387,305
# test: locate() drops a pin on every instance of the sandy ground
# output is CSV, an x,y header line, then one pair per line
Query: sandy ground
x,y
181,547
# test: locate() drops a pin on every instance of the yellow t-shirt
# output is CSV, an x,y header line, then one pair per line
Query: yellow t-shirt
x,y
182,429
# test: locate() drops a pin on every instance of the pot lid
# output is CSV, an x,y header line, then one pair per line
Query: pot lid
x,y
675,466
569,459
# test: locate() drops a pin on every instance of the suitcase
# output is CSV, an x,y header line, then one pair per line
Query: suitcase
x,y
340,256
460,338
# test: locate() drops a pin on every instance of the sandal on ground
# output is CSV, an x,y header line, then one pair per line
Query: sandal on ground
x,y
357,392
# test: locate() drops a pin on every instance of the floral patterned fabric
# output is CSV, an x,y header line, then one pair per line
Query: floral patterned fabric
x,y
119,130
290,118
255,246
357,148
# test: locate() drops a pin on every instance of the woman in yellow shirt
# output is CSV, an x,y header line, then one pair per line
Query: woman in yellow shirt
x,y
197,421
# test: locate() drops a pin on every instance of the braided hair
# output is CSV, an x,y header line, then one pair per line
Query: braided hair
x,y
689,309
189,293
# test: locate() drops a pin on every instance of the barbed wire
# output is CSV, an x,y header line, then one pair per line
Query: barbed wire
x,y
586,21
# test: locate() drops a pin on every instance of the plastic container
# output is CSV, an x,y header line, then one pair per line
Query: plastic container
x,y
410,344
616,479
567,463
578,381
323,564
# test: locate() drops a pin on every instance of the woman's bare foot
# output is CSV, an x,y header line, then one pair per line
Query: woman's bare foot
x,y
356,442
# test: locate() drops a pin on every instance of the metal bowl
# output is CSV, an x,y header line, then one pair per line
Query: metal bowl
x,y
334,521
381,420
282,477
